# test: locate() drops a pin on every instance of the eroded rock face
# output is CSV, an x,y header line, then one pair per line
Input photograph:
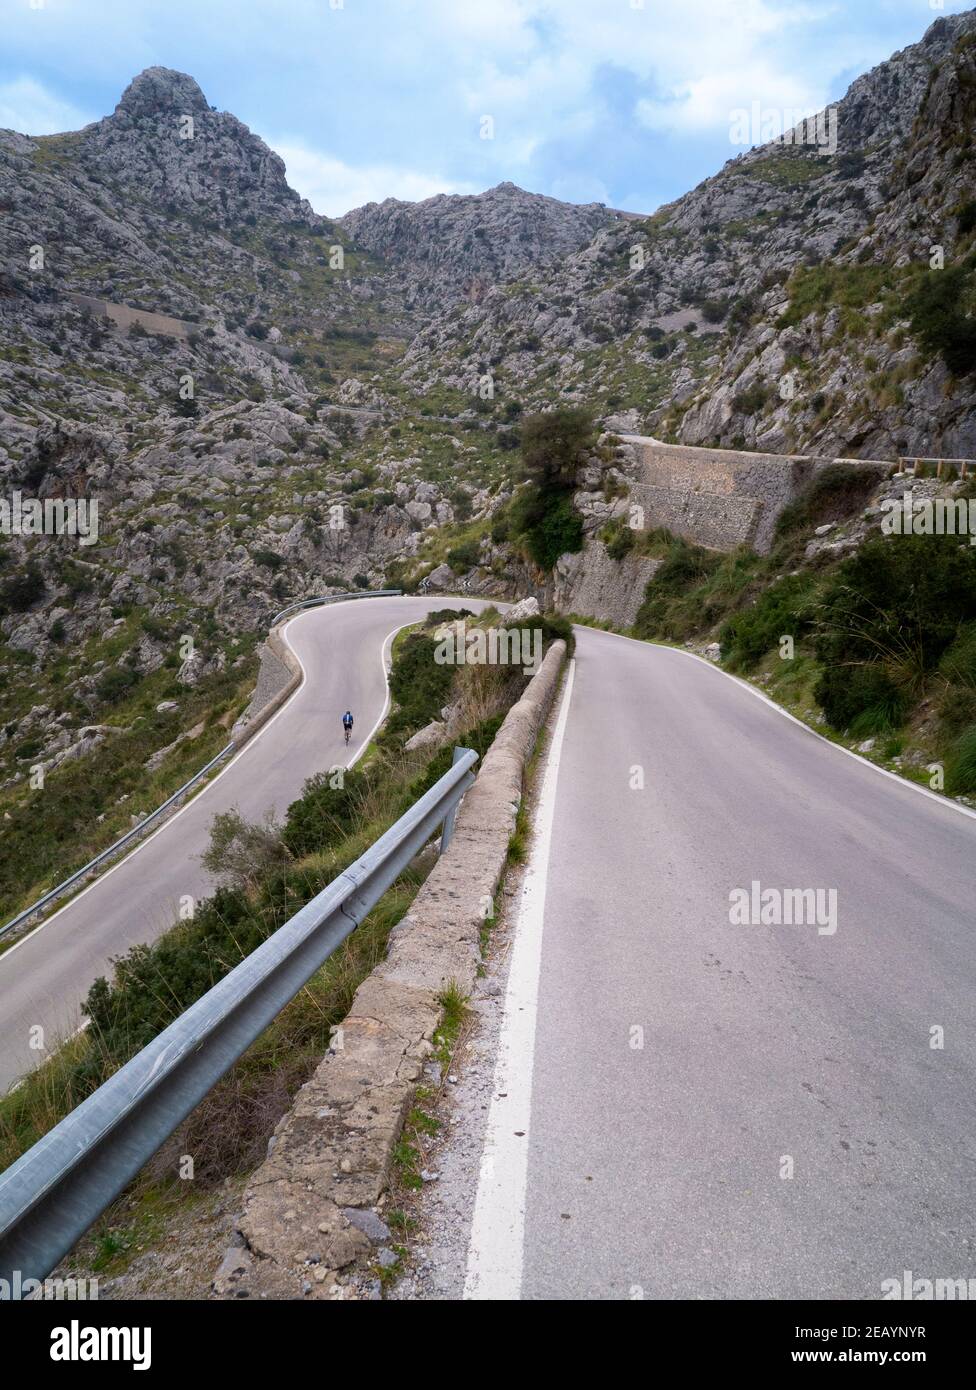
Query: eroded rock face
x,y
165,140
222,449
454,247
687,315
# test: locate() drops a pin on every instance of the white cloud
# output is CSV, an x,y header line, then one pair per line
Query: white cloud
x,y
333,187
397,88
28,107
706,103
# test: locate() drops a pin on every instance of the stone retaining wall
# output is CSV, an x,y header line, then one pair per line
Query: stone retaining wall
x,y
124,317
722,498
279,676
594,585
309,1212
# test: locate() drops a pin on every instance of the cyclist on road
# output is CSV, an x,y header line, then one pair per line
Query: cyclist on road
x,y
347,724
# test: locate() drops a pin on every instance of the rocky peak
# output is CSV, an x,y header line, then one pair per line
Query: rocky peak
x,y
162,90
454,246
883,103
212,166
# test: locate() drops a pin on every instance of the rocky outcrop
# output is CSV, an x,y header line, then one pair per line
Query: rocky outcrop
x,y
696,318
453,247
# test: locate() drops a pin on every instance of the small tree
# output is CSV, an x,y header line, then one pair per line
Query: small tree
x,y
555,447
241,852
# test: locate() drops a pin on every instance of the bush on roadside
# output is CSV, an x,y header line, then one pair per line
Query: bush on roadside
x,y
419,685
960,772
887,619
328,810
784,609
669,606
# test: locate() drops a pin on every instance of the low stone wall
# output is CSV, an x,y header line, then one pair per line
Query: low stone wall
x,y
309,1210
279,676
124,317
721,498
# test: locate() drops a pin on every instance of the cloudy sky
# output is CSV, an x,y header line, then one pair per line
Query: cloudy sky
x,y
626,102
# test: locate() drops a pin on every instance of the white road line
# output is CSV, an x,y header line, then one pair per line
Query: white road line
x,y
495,1252
161,829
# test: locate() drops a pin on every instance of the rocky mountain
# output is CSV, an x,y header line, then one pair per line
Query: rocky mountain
x,y
183,339
268,404
454,247
774,306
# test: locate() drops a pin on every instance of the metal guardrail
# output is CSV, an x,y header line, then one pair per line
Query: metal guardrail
x,y
333,598
138,830
55,1191
113,849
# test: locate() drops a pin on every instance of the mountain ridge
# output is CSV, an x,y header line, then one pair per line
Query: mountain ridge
x,y
377,365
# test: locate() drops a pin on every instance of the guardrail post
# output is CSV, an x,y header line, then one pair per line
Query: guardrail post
x,y
451,816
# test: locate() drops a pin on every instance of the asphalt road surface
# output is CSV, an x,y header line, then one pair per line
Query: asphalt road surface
x,y
683,1067
44,979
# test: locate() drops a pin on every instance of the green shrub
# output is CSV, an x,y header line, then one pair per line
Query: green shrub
x,y
958,663
670,608
834,493
752,399
940,321
957,710
966,215
554,530
555,446
783,609
619,539
153,984
21,591
553,627
683,566
268,559
863,699
894,607
479,738
464,556
419,685
960,773
326,812
115,684
500,528
446,615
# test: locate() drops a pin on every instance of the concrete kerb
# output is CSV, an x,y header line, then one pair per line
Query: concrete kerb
x,y
307,1212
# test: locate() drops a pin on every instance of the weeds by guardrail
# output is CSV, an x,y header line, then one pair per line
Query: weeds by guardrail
x,y
55,1191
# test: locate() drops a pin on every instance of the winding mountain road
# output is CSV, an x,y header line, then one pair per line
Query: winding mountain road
x,y
341,647
684,1107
